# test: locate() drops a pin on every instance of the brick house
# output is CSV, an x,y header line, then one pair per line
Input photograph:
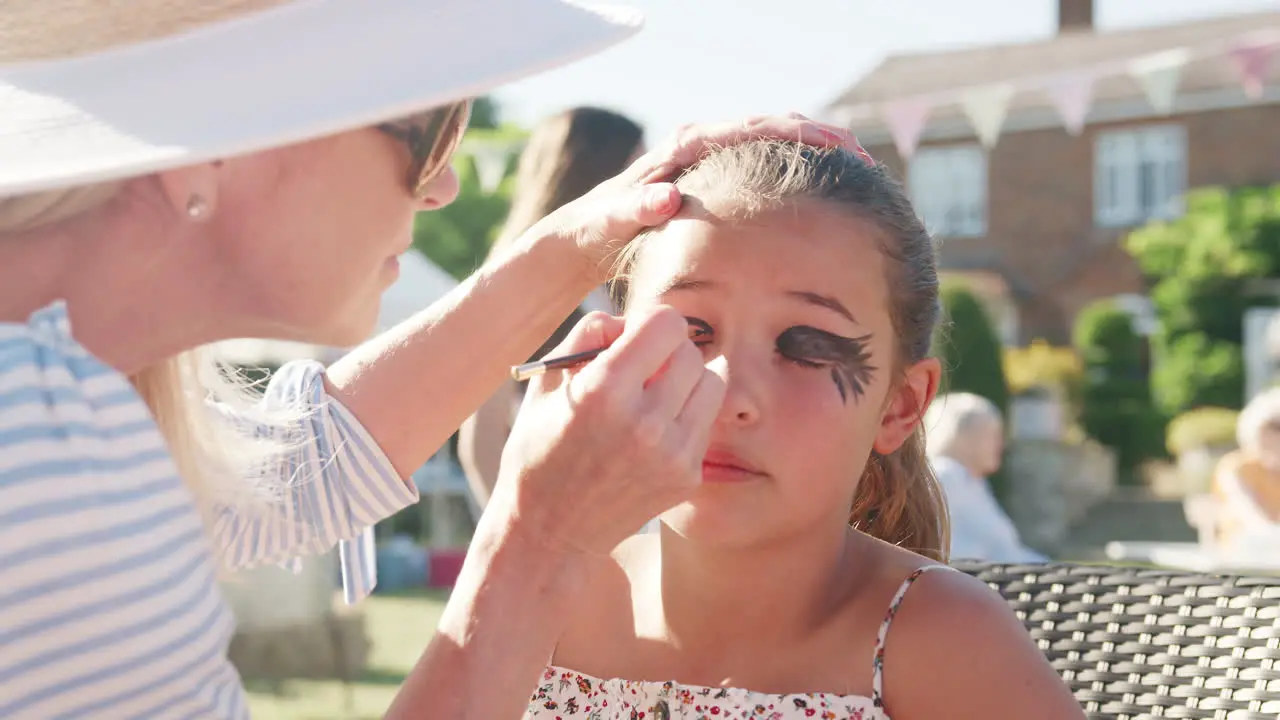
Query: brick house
x,y
1034,222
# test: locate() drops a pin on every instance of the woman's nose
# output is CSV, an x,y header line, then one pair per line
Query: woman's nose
x,y
441,190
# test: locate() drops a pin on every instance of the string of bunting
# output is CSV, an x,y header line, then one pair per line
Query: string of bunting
x,y
1071,92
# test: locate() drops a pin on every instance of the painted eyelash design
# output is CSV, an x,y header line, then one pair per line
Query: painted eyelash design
x,y
848,358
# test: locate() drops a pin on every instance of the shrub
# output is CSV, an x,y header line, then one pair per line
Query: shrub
x,y
1115,396
971,358
1041,366
1201,428
970,352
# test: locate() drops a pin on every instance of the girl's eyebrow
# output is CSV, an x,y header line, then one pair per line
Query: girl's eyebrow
x,y
679,284
825,301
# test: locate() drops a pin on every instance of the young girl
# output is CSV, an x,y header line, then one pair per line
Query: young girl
x,y
803,580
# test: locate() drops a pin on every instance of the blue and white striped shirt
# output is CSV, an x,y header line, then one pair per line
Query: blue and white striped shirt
x,y
109,603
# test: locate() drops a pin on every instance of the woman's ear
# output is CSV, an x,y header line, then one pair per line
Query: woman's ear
x,y
907,403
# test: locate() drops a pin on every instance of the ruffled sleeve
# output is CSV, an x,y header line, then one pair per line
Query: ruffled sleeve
x,y
334,483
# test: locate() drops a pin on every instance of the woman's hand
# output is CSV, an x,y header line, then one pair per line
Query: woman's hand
x,y
604,220
597,452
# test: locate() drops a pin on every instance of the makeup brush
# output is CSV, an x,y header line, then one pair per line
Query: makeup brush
x,y
521,373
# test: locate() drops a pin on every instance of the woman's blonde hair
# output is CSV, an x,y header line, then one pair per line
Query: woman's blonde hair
x,y
220,461
898,499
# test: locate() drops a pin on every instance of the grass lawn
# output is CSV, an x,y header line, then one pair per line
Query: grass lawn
x,y
399,627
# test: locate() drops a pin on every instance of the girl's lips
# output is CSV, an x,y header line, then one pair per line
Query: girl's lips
x,y
724,466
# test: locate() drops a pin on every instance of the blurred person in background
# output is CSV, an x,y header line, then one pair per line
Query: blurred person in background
x,y
1246,482
566,156
966,445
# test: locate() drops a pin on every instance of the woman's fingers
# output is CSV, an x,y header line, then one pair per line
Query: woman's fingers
x,y
668,392
693,141
588,467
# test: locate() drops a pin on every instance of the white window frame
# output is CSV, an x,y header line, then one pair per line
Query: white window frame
x,y
948,187
1136,161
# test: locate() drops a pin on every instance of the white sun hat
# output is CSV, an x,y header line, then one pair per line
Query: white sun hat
x,y
96,90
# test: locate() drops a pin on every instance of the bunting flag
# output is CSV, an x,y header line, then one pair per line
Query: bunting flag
x,y
1072,91
1158,75
1252,61
987,107
906,119
492,159
1072,94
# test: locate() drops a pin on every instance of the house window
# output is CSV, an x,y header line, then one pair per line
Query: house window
x,y
948,187
1140,175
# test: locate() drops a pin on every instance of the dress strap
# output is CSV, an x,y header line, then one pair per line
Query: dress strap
x,y
877,664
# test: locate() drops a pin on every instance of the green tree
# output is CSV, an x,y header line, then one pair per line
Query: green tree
x,y
458,236
485,114
1199,266
1116,406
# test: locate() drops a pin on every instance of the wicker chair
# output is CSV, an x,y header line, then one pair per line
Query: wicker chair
x,y
1141,644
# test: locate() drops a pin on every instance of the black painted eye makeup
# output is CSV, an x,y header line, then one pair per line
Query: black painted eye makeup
x,y
847,358
699,330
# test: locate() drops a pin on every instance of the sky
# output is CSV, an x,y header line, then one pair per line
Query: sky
x,y
713,60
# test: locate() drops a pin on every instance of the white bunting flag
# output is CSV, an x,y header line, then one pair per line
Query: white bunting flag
x,y
1159,75
492,157
987,107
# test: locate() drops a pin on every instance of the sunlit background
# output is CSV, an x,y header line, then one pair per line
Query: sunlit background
x,y
1101,181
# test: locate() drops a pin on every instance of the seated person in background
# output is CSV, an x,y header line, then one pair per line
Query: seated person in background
x,y
1246,482
966,442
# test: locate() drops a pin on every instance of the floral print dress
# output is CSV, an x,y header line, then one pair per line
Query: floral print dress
x,y
565,693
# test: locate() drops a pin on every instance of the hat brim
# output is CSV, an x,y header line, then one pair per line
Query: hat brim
x,y
290,74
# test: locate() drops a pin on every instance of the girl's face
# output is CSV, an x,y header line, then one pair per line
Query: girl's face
x,y
791,308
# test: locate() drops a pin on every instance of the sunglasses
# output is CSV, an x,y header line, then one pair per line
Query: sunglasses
x,y
432,137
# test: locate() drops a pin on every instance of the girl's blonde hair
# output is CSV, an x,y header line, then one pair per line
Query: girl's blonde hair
x,y
219,460
898,499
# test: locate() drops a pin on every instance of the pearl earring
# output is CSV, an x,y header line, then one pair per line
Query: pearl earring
x,y
197,208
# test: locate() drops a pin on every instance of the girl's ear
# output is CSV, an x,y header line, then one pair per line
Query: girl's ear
x,y
907,404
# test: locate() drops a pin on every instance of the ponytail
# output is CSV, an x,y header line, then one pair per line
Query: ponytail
x,y
900,501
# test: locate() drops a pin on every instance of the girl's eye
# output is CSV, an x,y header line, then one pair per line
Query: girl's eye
x,y
802,362
699,331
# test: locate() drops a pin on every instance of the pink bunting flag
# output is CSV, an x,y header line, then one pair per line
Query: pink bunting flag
x,y
906,119
1252,61
1072,95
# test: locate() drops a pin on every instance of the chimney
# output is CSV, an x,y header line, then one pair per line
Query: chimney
x,y
1075,15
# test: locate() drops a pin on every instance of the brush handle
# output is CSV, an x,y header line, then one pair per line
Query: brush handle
x,y
521,373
